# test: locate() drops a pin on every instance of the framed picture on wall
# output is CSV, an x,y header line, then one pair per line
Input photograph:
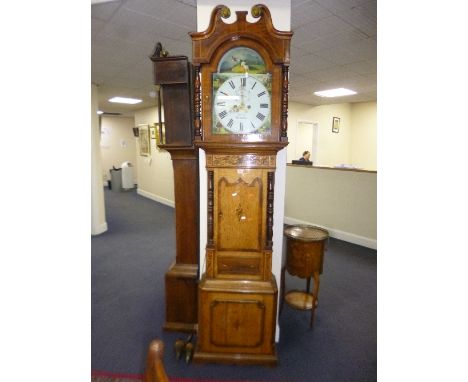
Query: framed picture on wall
x,y
153,131
161,135
144,138
336,125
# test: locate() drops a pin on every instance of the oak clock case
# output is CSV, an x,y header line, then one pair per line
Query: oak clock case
x,y
173,77
240,109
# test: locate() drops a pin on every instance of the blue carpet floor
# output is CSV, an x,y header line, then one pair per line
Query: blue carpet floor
x,y
128,266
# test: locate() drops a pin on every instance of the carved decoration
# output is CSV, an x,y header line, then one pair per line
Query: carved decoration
x,y
197,104
159,51
237,161
205,43
270,200
210,207
267,265
256,11
225,12
284,104
209,263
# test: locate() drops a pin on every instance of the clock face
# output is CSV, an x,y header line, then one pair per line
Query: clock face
x,y
242,104
241,94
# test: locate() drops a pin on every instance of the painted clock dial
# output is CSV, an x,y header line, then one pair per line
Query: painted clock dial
x,y
241,94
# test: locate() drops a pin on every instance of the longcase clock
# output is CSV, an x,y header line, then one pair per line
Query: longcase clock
x,y
173,74
240,111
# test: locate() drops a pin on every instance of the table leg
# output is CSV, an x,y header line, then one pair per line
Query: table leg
x,y
315,297
282,288
308,284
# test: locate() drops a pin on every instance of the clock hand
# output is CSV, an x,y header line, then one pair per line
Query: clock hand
x,y
243,94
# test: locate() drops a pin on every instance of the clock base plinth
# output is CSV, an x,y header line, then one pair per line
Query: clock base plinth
x,y
181,298
180,327
236,359
237,322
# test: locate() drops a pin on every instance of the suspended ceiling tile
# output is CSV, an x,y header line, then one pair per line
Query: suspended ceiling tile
x,y
313,45
326,48
124,55
133,20
105,69
340,5
309,63
183,15
105,11
160,8
354,17
328,26
131,82
366,49
363,67
344,38
96,26
340,55
306,12
296,53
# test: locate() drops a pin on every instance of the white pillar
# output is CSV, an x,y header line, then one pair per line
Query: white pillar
x,y
98,211
281,15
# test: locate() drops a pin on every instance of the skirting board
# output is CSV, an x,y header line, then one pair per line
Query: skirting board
x,y
155,197
337,234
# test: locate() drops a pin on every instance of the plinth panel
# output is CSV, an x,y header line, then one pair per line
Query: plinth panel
x,y
237,322
181,298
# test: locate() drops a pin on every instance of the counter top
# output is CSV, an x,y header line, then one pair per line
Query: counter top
x,y
331,168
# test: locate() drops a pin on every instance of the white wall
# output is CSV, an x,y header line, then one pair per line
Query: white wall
x,y
155,173
333,148
364,135
296,112
98,211
342,201
118,144
355,143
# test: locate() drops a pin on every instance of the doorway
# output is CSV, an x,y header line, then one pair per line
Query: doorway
x,y
307,139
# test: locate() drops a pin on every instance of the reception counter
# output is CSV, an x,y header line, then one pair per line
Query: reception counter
x,y
341,200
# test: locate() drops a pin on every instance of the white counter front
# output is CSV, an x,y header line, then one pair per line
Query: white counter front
x,y
344,201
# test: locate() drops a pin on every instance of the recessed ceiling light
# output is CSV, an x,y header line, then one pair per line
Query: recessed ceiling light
x,y
130,101
335,92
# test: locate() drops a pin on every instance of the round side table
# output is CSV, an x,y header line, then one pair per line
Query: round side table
x,y
305,250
